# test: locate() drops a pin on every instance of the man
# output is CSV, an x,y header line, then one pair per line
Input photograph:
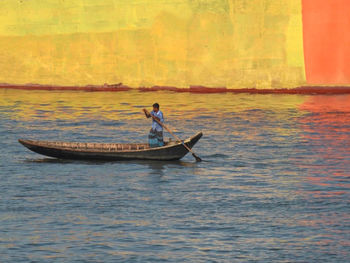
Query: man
x,y
155,137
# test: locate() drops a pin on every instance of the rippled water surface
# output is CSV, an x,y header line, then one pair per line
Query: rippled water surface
x,y
274,186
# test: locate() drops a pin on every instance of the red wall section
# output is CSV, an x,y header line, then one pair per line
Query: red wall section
x,y
326,27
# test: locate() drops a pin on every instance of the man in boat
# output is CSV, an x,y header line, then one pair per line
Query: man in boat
x,y
155,137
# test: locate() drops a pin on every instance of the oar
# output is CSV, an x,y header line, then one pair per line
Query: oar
x,y
198,159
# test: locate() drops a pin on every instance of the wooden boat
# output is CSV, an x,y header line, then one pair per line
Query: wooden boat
x,y
172,150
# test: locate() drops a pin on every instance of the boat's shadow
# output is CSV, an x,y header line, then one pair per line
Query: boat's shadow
x,y
151,163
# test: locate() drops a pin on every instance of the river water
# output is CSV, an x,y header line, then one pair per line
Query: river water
x,y
274,185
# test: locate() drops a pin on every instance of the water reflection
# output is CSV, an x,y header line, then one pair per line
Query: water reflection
x,y
276,171
29,105
327,131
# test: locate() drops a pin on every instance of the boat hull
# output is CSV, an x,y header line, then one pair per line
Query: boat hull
x,y
169,152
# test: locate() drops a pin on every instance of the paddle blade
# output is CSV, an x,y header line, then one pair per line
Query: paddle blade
x,y
196,157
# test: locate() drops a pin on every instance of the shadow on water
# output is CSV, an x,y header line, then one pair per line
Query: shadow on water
x,y
155,164
157,167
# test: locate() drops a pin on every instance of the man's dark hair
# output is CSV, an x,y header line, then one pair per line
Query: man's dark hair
x,y
156,105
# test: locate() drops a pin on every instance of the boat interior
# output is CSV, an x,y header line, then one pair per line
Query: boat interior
x,y
97,146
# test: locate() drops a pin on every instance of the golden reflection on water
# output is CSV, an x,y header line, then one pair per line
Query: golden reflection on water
x,y
69,105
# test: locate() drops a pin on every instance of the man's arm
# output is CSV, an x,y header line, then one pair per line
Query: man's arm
x,y
148,115
155,117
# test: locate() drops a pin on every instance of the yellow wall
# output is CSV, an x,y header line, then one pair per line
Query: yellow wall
x,y
232,43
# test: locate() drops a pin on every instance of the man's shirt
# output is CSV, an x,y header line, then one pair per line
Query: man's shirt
x,y
155,125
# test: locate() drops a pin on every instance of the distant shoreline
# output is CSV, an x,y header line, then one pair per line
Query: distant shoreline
x,y
306,90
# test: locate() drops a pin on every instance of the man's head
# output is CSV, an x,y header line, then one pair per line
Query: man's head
x,y
155,107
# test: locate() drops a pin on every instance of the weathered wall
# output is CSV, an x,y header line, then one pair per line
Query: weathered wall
x,y
232,43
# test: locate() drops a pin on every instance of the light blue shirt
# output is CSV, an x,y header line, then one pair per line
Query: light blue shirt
x,y
155,125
